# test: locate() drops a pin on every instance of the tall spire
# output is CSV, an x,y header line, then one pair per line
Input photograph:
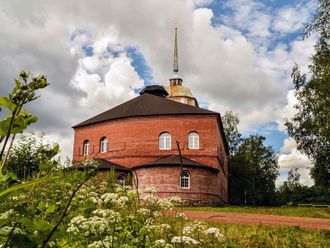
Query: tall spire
x,y
176,80
176,62
175,90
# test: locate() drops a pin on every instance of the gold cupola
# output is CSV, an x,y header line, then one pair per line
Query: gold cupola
x,y
175,90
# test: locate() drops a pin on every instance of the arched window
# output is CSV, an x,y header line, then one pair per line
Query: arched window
x,y
165,141
121,180
193,140
85,147
184,180
103,144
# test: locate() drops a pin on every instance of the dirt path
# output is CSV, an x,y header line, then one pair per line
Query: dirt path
x,y
252,219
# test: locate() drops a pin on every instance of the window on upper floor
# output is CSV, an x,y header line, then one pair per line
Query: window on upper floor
x,y
104,144
193,140
184,180
85,147
165,141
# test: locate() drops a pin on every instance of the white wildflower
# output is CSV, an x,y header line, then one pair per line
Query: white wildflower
x,y
119,189
175,199
195,227
113,216
122,200
97,225
143,211
98,244
156,214
6,215
215,232
109,197
131,194
165,204
150,190
185,240
52,244
165,227
161,243
7,229
102,212
75,223
181,216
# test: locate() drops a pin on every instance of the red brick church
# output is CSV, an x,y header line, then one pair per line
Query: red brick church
x,y
145,136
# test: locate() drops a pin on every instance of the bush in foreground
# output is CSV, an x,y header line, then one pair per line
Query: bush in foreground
x,y
99,215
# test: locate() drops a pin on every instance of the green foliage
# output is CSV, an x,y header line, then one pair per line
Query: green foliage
x,y
30,154
234,138
252,166
19,119
292,192
310,127
35,207
98,213
253,173
280,237
282,211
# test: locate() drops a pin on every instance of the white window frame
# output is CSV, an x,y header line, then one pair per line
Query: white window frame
x,y
193,141
121,182
86,147
165,141
185,180
104,145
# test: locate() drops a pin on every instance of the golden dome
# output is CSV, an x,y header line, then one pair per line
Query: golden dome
x,y
178,91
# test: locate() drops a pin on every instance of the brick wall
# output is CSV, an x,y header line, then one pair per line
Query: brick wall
x,y
134,141
204,183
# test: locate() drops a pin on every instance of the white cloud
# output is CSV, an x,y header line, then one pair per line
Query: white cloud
x,y
202,3
251,17
294,160
291,19
105,79
289,145
290,158
287,112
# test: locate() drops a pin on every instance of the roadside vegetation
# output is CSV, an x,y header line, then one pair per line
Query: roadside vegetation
x,y
279,237
284,211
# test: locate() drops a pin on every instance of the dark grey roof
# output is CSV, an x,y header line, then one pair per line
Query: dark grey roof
x,y
156,90
146,105
174,160
106,164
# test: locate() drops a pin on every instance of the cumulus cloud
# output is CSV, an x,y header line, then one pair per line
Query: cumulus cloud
x,y
251,16
291,19
105,79
291,158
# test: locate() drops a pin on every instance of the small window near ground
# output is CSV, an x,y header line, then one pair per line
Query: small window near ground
x,y
193,140
165,141
185,180
85,147
103,145
121,180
